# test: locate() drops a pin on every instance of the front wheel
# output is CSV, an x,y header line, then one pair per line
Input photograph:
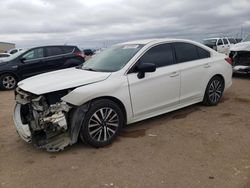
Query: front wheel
x,y
102,123
7,82
214,91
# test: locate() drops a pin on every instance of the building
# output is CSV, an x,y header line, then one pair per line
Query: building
x,y
5,46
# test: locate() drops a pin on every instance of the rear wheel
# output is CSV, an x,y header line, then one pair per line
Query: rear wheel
x,y
102,123
8,82
214,91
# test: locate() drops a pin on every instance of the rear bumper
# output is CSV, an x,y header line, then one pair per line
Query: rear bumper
x,y
23,130
241,69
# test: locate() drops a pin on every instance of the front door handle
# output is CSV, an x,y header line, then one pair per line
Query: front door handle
x,y
174,74
207,65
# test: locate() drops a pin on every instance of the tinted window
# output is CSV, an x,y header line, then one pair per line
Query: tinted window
x,y
203,53
68,49
13,51
52,51
225,41
232,41
185,52
34,54
220,42
160,55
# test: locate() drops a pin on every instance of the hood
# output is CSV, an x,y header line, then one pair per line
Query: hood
x,y
62,79
243,46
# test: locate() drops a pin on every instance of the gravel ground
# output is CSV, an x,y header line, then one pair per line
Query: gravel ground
x,y
193,147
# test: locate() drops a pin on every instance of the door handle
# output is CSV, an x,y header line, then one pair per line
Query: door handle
x,y
174,74
207,65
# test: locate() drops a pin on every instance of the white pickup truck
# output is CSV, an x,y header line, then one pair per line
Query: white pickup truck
x,y
221,45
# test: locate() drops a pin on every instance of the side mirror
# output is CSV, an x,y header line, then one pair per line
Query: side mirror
x,y
145,67
22,59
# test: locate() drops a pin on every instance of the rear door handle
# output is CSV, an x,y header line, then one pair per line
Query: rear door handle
x,y
207,65
174,74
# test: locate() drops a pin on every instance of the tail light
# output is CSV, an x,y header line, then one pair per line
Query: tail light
x,y
229,60
79,54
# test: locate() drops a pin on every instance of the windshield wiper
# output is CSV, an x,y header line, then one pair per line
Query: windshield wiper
x,y
88,69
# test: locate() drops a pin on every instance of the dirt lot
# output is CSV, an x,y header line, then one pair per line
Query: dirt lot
x,y
194,147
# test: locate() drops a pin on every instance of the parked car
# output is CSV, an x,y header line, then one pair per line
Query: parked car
x,y
221,45
27,63
4,55
14,50
127,83
88,53
240,53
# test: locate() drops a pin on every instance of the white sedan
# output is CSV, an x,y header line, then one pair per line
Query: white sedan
x,y
126,83
4,55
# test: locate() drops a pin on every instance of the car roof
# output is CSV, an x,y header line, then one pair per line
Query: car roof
x,y
156,40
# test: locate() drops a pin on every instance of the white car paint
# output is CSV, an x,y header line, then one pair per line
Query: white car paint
x,y
242,46
61,79
168,88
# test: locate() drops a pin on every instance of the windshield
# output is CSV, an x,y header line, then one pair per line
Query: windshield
x,y
210,42
112,59
15,55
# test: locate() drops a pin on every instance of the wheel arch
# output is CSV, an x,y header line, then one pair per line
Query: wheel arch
x,y
117,101
75,119
11,73
218,75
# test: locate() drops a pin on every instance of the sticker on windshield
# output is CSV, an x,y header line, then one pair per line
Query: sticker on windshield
x,y
131,46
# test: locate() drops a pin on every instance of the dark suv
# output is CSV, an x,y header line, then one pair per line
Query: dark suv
x,y
27,63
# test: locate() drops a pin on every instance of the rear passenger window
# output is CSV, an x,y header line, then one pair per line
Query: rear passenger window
x,y
225,41
220,42
68,49
185,52
203,53
52,51
160,55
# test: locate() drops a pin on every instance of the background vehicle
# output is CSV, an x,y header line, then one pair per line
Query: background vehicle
x,y
221,45
27,63
14,50
124,84
240,53
4,55
88,53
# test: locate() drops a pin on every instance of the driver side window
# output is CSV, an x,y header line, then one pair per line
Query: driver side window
x,y
34,54
160,55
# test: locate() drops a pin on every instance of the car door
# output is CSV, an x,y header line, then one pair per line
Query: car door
x,y
220,46
195,63
159,90
54,57
32,63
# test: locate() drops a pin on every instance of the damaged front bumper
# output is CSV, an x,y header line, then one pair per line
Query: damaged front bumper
x,y
45,125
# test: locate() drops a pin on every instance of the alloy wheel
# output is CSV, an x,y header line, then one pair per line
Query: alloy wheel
x,y
9,82
215,91
103,124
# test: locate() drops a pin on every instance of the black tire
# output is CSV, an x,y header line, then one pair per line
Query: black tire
x,y
214,91
8,82
102,123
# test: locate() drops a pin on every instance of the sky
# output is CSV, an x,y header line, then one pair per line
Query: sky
x,y
101,23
